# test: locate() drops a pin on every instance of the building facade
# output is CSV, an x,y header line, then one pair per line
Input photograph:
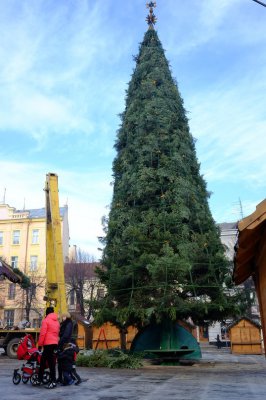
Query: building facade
x,y
23,246
83,285
229,237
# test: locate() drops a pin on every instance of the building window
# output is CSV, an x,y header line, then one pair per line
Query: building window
x,y
11,291
36,322
9,317
72,298
14,261
32,290
16,237
35,236
100,293
1,238
33,263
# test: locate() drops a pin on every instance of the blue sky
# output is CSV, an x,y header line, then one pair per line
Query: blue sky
x,y
64,69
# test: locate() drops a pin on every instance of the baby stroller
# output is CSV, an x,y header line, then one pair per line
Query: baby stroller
x,y
28,351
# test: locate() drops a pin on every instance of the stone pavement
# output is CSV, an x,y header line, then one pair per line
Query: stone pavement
x,y
219,375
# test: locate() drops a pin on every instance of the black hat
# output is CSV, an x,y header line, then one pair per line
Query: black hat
x,y
49,310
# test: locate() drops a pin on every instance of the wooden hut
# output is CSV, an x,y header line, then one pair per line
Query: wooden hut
x,y
107,336
250,258
82,331
245,337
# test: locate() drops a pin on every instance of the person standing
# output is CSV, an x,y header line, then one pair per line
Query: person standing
x,y
74,373
67,360
48,339
65,333
218,342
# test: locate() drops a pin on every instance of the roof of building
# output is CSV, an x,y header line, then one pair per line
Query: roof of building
x,y
39,212
79,318
251,233
252,321
227,225
87,270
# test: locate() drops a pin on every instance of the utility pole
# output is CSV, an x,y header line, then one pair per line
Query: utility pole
x,y
4,197
241,208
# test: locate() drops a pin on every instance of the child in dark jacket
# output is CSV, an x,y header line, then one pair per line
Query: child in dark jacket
x,y
74,373
67,360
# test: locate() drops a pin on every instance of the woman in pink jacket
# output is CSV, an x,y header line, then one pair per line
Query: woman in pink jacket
x,y
48,339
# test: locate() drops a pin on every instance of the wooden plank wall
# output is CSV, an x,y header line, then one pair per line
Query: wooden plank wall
x,y
245,338
108,336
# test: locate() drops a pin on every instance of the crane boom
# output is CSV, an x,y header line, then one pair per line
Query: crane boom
x,y
55,284
6,272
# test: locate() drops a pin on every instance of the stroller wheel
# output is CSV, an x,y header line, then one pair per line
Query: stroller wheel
x,y
25,379
46,377
16,378
34,379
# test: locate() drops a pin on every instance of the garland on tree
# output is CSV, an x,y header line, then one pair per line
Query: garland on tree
x,y
163,257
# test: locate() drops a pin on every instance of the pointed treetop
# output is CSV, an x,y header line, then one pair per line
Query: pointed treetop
x,y
151,17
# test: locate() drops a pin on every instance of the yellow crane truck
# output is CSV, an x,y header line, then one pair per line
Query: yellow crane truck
x,y
9,338
55,280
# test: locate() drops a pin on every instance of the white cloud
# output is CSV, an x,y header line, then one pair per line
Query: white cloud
x,y
52,75
87,195
212,13
230,125
199,22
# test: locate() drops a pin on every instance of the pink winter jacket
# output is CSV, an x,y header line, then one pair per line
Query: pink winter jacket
x,y
49,333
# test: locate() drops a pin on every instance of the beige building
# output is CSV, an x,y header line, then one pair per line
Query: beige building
x,y
228,237
23,246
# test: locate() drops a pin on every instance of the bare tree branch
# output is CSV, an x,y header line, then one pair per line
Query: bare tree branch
x,y
81,279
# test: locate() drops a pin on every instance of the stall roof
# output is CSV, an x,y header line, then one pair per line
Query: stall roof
x,y
252,321
250,234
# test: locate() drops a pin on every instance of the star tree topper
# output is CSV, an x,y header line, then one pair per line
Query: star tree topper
x,y
151,18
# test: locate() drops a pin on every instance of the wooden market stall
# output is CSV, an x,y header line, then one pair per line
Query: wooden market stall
x,y
245,337
250,257
107,336
82,331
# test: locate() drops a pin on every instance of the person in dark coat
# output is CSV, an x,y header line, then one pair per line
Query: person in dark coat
x,y
74,373
218,342
67,360
65,333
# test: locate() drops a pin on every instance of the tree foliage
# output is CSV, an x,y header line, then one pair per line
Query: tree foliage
x,y
162,254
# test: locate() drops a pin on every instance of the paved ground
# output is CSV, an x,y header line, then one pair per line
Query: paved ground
x,y
220,375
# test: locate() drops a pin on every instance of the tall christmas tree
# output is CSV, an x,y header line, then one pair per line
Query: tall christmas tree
x,y
163,257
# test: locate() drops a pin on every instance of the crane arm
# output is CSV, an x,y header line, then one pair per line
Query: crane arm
x,y
55,279
7,273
